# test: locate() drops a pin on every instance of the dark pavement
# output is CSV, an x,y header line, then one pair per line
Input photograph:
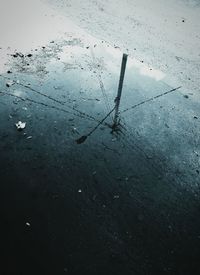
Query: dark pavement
x,y
122,203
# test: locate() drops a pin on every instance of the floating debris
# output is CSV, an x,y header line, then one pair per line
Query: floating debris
x,y
20,125
74,130
10,83
28,224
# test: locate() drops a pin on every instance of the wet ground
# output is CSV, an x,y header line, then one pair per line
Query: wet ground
x,y
120,203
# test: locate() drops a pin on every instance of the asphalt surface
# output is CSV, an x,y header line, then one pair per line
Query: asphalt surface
x,y
120,203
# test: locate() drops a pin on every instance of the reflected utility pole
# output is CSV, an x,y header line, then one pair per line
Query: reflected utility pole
x,y
119,93
82,139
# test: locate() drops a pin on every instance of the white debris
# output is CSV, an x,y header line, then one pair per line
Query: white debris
x,y
10,83
74,129
28,224
79,191
20,125
29,137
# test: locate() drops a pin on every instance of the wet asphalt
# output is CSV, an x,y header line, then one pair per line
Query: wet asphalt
x,y
120,203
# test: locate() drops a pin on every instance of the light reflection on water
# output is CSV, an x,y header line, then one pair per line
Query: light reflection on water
x,y
30,24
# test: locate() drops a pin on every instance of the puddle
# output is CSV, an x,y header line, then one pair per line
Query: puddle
x,y
66,174
67,70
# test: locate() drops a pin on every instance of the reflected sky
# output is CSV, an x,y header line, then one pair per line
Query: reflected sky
x,y
30,24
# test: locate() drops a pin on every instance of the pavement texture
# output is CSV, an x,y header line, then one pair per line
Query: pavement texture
x,y
122,202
